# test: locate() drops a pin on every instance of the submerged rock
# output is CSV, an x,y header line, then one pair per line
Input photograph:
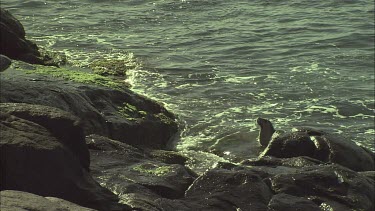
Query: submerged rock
x,y
236,146
34,160
12,200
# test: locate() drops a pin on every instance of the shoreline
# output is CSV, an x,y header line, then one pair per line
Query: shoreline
x,y
87,139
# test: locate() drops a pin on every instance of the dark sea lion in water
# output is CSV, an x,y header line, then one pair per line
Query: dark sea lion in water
x,y
316,144
266,131
5,62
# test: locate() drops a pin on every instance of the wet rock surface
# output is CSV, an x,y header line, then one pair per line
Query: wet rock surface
x,y
321,146
231,190
329,186
5,62
142,174
13,42
33,160
118,114
20,201
134,173
306,180
62,125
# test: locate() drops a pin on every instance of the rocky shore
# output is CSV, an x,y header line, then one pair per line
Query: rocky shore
x,y
73,140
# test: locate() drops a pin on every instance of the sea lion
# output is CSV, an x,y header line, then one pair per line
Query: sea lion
x,y
5,62
317,144
266,131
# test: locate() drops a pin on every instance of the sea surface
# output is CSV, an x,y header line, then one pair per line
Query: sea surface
x,y
220,64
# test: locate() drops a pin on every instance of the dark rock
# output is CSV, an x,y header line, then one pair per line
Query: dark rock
x,y
61,124
230,190
323,147
331,186
301,161
290,145
13,42
135,175
270,166
184,205
33,160
17,200
227,166
282,201
115,113
368,174
220,189
169,157
345,153
5,62
101,143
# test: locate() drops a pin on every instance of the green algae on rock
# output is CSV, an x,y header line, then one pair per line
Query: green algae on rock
x,y
131,113
114,67
74,75
164,118
97,106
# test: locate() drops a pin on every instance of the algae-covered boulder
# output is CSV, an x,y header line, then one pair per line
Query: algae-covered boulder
x,y
20,201
113,67
33,160
104,107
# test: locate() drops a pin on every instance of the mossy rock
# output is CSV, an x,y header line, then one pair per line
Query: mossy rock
x,y
114,67
131,112
72,75
164,118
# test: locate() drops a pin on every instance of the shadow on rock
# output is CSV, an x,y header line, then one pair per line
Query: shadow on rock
x,y
34,160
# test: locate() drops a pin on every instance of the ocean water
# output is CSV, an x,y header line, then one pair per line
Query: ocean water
x,y
221,64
